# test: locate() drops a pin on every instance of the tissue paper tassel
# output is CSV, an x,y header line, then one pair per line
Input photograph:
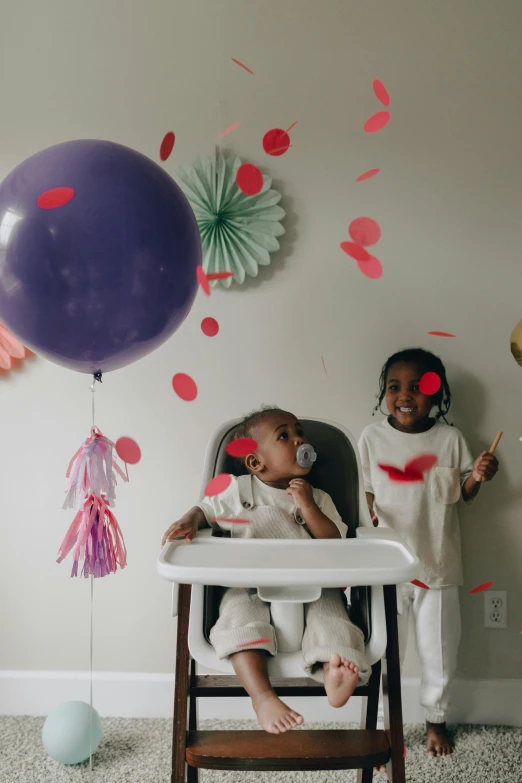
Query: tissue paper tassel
x,y
94,471
96,539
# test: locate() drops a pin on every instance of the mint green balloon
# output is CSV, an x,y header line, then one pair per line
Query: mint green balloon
x,y
66,731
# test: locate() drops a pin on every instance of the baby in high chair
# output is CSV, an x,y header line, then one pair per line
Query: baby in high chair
x,y
277,502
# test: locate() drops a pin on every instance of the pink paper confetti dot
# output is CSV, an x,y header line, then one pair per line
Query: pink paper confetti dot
x,y
442,334
233,520
249,179
355,251
421,463
184,387
241,65
257,641
481,588
203,280
218,484
429,383
367,175
128,450
228,130
418,583
405,751
240,447
219,276
371,268
381,93
377,121
167,145
55,197
364,231
276,141
209,327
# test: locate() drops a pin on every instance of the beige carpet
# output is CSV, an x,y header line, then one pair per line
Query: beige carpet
x,y
138,751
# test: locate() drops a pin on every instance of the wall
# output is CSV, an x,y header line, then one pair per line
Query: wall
x,y
448,202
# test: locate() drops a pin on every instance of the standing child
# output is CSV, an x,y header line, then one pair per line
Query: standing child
x,y
424,514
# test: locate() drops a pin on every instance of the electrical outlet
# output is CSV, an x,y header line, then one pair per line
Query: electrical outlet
x,y
495,609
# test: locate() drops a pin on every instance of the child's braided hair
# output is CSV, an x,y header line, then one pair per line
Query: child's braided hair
x,y
430,363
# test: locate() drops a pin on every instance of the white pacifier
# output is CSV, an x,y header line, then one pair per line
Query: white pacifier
x,y
306,455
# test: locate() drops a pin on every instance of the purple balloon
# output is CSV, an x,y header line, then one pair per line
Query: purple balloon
x,y
106,278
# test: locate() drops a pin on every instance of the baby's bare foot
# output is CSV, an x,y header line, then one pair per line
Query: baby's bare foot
x,y
273,715
340,680
438,742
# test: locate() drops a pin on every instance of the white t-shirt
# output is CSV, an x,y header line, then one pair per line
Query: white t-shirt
x,y
424,513
228,503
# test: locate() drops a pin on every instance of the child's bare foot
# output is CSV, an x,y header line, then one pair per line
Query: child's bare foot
x,y
273,715
438,741
340,680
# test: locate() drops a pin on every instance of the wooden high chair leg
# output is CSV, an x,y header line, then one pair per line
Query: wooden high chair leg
x,y
181,689
391,688
370,708
192,772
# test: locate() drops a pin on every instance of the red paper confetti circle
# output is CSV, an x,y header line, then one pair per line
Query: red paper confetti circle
x,y
219,276
218,484
381,93
418,583
401,476
56,197
209,327
355,251
371,268
167,145
377,121
429,383
241,447
367,175
364,231
276,141
421,463
442,334
203,280
249,179
257,641
241,65
128,450
184,387
233,520
482,587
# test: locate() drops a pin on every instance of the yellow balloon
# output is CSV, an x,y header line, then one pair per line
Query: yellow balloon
x,y
516,343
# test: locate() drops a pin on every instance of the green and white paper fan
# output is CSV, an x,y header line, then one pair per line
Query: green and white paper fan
x,y
238,232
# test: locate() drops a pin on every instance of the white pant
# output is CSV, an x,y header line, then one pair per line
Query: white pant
x,y
436,619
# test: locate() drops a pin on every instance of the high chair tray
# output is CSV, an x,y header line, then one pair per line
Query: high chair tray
x,y
375,557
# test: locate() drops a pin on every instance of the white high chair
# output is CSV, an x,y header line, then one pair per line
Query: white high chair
x,y
289,573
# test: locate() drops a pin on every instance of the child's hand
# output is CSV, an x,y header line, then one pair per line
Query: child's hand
x,y
186,527
301,493
485,467
373,516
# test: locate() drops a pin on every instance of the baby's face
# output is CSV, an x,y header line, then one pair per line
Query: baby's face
x,y
279,436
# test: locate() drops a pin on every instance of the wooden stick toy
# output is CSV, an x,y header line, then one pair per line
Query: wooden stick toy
x,y
492,448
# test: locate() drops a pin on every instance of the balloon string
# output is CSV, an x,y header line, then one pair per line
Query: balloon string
x,y
91,656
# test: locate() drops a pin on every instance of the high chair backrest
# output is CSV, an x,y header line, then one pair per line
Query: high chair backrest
x,y
335,471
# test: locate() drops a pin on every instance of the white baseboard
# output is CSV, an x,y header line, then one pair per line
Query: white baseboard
x,y
129,695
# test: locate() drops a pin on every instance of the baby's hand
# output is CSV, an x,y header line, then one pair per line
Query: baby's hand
x,y
186,527
373,515
485,467
301,493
